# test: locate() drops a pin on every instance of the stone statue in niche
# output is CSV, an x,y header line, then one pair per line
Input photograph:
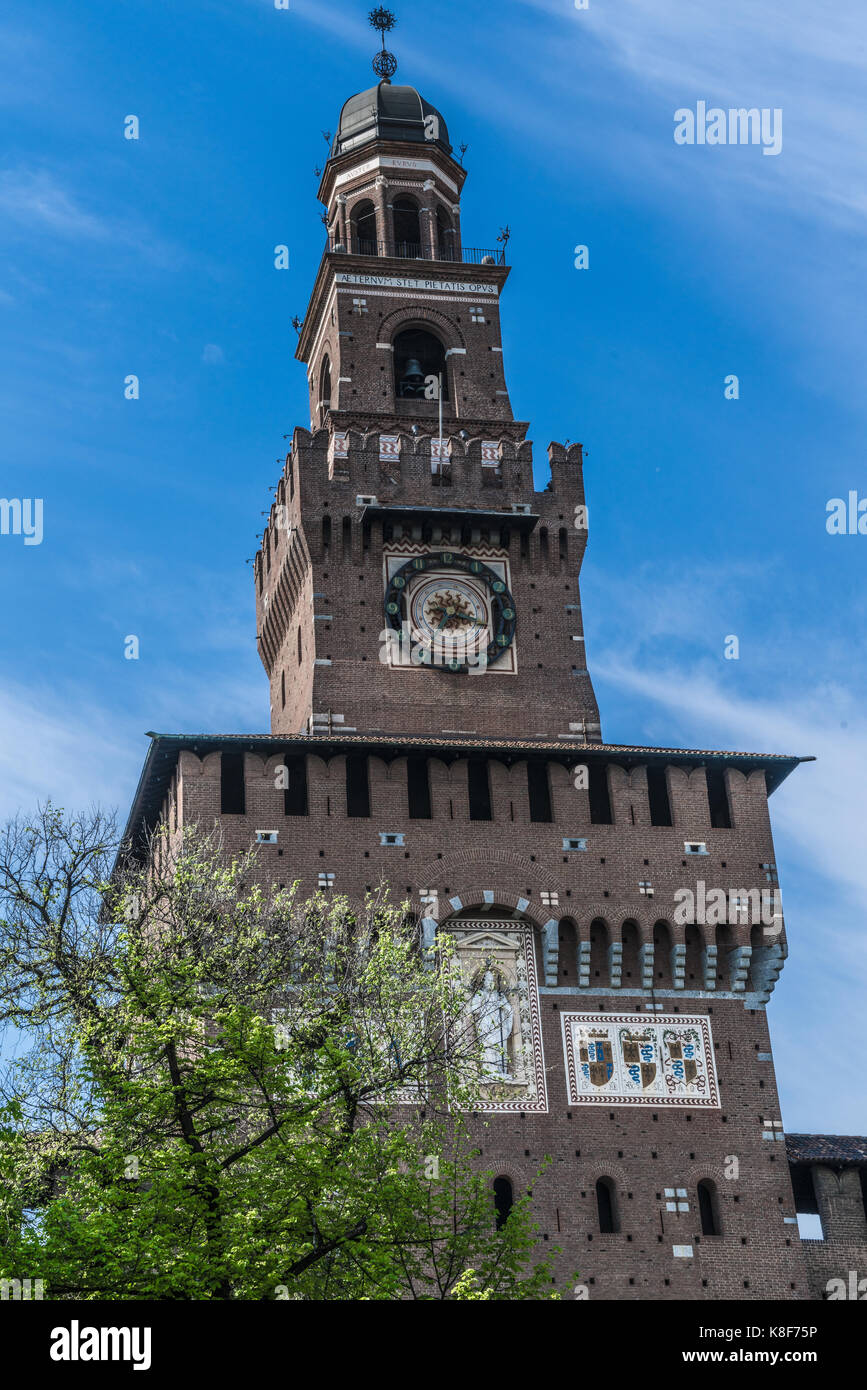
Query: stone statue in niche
x,y
494,1017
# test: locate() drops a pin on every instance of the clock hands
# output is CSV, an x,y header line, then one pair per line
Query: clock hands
x,y
453,614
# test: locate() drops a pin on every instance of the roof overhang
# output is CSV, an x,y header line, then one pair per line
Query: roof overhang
x,y
476,516
165,749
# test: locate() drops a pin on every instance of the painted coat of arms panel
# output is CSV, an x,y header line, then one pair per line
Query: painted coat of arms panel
x,y
630,1059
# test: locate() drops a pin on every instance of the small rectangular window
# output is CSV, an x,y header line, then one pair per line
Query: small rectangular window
x,y
479,789
418,789
539,791
600,800
232,800
295,788
657,792
718,799
357,786
391,837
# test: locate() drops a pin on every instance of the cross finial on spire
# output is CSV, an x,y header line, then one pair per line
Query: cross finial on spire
x,y
385,63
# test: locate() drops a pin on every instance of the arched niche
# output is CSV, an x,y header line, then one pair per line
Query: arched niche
x,y
630,977
600,940
662,946
568,962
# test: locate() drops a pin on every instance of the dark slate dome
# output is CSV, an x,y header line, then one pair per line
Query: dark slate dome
x,y
386,112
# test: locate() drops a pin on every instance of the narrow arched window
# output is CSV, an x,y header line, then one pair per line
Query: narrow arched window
x,y
503,1200
282,689
543,544
326,532
606,1206
324,391
299,646
707,1208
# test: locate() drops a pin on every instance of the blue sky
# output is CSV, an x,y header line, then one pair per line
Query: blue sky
x,y
707,516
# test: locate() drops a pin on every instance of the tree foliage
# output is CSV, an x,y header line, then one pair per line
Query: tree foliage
x,y
219,1091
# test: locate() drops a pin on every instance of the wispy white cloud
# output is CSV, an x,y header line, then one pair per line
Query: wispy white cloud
x,y
821,808
809,61
58,750
35,198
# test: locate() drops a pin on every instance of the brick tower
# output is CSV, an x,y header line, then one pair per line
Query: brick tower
x,y
419,618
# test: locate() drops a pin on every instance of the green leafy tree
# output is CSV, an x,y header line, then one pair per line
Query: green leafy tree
x,y
222,1092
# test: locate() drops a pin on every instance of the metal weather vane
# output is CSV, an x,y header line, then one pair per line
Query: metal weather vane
x,y
385,63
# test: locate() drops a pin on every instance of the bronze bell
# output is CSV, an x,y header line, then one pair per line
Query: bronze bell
x,y
412,381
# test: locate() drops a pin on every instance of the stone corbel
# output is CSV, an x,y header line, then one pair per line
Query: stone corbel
x,y
739,966
551,945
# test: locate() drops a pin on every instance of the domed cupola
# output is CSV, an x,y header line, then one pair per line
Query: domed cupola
x,y
388,112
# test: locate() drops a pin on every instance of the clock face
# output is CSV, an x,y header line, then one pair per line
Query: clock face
x,y
456,612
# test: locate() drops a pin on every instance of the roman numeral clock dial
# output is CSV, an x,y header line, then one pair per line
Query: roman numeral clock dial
x,y
456,612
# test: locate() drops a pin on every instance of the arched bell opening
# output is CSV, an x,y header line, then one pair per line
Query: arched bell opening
x,y
407,227
363,229
419,357
445,233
